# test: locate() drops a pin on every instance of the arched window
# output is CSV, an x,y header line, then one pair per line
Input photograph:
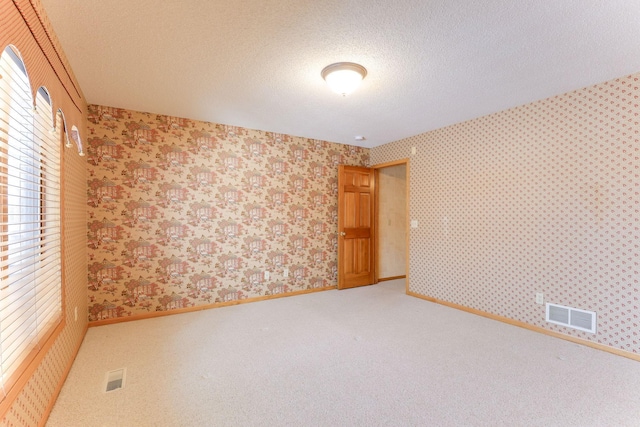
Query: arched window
x,y
30,259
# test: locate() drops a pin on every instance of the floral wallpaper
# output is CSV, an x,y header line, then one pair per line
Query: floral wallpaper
x,y
542,198
183,213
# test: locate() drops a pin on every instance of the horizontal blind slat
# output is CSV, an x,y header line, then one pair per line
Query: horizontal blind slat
x,y
30,216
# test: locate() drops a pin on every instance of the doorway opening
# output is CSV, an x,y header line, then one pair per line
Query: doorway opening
x,y
392,221
373,224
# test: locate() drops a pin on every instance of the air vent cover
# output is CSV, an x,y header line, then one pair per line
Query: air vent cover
x,y
571,317
115,380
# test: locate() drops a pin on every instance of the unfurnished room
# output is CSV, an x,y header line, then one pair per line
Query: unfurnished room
x,y
319,213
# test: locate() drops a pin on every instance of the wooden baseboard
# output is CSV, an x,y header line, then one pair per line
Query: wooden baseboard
x,y
384,279
204,307
56,393
581,341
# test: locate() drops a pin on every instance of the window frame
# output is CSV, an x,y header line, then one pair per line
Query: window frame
x,y
45,136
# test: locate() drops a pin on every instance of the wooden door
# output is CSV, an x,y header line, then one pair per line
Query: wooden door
x,y
356,193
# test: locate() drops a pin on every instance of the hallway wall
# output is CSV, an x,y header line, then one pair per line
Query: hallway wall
x,y
392,185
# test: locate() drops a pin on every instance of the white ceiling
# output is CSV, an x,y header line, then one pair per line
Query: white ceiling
x,y
257,63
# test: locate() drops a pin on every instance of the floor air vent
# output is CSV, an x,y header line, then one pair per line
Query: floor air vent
x,y
115,380
572,317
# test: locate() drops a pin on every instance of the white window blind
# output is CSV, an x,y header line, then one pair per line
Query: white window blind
x,y
30,258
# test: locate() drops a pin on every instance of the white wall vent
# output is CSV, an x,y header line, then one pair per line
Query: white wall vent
x,y
572,317
114,380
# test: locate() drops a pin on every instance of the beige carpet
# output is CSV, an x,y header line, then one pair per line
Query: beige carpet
x,y
370,356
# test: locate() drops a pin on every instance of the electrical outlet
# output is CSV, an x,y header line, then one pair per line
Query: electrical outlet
x,y
539,298
285,273
266,275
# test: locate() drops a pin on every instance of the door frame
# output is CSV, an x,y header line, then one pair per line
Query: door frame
x,y
376,244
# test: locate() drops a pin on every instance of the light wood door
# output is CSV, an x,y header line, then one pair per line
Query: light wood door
x,y
356,193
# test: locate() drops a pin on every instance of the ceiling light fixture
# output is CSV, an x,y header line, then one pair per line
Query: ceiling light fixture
x,y
343,77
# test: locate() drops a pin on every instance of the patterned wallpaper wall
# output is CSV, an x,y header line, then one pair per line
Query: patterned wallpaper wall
x,y
540,198
184,213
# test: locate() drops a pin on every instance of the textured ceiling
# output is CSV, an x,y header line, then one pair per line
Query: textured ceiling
x,y
257,63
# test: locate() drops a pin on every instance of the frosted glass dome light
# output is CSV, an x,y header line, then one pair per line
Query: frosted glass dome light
x,y
343,77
